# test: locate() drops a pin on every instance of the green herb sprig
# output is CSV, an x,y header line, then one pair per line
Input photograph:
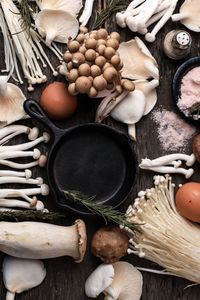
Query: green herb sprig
x,y
112,7
29,215
26,14
105,211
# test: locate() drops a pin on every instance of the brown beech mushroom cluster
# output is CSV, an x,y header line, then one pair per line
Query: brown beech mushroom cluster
x,y
93,63
110,243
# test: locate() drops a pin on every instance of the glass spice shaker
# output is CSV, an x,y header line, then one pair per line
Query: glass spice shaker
x,y
177,44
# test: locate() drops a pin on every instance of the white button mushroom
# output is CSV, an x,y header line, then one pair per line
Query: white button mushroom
x,y
20,275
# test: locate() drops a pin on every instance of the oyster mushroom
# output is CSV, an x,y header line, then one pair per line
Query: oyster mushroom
x,y
109,243
34,240
56,25
20,275
11,102
72,6
127,283
138,63
189,15
118,281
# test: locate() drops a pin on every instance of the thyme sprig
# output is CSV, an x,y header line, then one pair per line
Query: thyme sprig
x,y
105,211
29,215
112,7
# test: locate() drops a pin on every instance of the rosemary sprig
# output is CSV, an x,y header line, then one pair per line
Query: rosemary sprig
x,y
29,216
26,14
105,211
112,7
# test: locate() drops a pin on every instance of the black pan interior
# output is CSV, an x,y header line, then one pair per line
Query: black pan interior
x,y
94,160
177,79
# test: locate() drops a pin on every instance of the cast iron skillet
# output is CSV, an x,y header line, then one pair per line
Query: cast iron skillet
x,y
91,158
177,79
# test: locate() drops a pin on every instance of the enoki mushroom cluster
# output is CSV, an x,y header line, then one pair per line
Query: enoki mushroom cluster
x,y
165,237
93,63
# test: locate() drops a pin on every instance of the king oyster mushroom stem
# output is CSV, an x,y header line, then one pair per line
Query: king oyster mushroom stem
x,y
87,12
34,240
168,159
20,275
41,162
118,281
151,36
170,170
15,154
44,138
11,131
9,179
26,174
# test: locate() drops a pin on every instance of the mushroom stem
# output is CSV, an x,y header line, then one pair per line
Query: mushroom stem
x,y
180,16
15,154
32,201
15,203
170,170
86,14
36,240
40,162
43,190
27,173
11,131
10,296
44,138
10,179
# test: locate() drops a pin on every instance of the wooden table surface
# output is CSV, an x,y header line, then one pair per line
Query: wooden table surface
x,y
65,280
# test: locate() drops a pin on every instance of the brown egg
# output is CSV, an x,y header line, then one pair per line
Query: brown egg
x,y
57,101
188,201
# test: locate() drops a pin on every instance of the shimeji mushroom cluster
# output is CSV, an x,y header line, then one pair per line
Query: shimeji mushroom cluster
x,y
93,63
9,197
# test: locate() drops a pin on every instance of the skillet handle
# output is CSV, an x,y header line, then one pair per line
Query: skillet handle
x,y
33,109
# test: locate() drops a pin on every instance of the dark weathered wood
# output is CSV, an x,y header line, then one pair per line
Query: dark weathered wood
x,y
65,279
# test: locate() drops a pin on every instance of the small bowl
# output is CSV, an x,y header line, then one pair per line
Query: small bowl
x,y
177,79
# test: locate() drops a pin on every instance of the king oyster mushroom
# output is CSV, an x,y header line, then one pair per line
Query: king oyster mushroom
x,y
56,25
71,6
189,15
11,102
138,63
20,275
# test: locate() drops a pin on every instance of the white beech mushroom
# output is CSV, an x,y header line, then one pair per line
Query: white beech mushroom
x,y
99,280
20,275
11,102
11,179
26,174
170,170
127,283
56,25
87,12
118,281
16,203
189,15
41,162
33,201
25,146
72,6
15,154
8,132
165,237
36,240
43,190
146,66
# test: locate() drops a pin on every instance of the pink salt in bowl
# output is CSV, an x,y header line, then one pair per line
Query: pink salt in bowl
x,y
186,89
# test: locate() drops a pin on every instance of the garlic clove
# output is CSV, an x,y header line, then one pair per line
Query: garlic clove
x,y
22,274
131,109
56,25
11,102
72,6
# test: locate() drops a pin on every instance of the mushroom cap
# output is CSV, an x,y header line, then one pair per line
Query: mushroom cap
x,y
22,274
192,8
82,242
109,243
56,25
71,6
